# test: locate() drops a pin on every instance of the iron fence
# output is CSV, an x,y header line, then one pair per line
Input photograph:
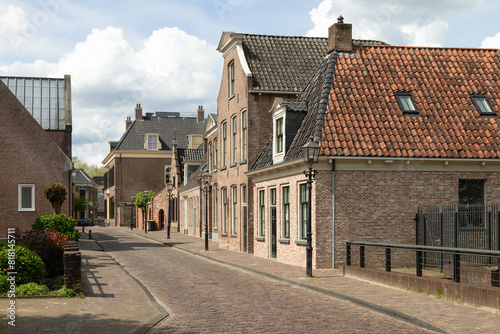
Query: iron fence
x,y
458,226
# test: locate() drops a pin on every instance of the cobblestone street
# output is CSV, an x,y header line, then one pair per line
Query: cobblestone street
x,y
206,297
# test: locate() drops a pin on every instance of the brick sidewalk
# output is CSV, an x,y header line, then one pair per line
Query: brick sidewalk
x,y
420,309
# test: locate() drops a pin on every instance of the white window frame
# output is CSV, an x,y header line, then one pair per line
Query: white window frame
x,y
146,143
301,234
244,135
279,156
224,210
234,135
223,145
214,164
216,202
210,157
282,197
168,171
20,188
234,210
231,78
261,204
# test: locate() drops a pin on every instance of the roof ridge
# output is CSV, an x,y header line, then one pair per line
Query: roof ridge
x,y
425,47
325,97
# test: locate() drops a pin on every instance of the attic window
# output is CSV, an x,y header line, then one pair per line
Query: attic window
x,y
482,104
152,143
406,103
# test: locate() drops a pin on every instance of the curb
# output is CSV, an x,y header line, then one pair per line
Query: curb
x,y
371,306
153,321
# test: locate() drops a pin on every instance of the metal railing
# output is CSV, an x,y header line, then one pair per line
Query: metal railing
x,y
456,255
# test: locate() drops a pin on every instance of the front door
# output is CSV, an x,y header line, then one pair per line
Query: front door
x,y
162,219
244,229
273,232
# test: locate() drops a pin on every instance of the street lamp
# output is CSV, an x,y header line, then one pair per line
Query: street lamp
x,y
145,213
170,187
132,199
206,178
310,154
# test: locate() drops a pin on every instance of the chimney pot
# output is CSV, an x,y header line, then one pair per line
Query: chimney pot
x,y
340,36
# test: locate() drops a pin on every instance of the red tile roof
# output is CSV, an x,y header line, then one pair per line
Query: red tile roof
x,y
365,120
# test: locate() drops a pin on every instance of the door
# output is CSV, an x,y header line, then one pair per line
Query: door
x,y
162,219
273,232
244,229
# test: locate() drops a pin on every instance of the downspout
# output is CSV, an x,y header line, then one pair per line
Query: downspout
x,y
333,213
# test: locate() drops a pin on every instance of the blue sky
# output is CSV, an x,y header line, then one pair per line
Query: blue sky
x,y
162,53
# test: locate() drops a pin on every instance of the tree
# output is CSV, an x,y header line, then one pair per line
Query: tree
x,y
91,169
56,194
142,201
80,204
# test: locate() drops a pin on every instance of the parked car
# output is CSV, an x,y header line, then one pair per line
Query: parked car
x,y
85,222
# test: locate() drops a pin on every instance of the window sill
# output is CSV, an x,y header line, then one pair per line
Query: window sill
x,y
301,242
223,168
223,234
260,238
233,165
216,228
233,235
244,162
284,241
231,97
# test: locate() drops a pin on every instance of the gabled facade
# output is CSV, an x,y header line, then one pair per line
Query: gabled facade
x,y
142,157
398,127
35,118
84,185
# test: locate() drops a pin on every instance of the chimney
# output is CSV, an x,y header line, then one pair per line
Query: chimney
x,y
340,36
138,112
128,123
201,115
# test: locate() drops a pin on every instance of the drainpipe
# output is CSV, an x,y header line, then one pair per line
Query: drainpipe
x,y
333,212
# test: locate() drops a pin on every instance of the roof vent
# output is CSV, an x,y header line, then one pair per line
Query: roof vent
x,y
340,36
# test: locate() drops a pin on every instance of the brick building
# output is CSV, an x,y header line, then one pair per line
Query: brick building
x,y
36,125
398,127
84,185
141,159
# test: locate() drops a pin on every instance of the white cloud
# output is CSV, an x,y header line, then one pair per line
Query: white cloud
x,y
172,71
491,42
398,22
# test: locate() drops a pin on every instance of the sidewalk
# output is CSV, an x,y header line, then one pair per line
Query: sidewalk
x,y
115,302
420,309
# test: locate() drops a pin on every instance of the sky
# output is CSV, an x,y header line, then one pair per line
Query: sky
x,y
162,53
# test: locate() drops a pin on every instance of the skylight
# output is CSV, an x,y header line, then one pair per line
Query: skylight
x,y
482,104
406,103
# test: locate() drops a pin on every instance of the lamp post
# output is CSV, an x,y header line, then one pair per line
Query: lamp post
x,y
310,154
145,213
132,199
170,187
206,178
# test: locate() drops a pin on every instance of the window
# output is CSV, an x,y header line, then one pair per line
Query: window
x,y
224,145
152,142
244,208
167,175
214,164
406,103
224,210
482,104
279,135
82,191
471,206
26,197
216,211
210,158
243,136
233,139
262,211
285,217
234,210
231,79
303,210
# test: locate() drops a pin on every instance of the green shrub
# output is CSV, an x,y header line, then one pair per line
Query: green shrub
x,y
49,245
28,265
2,244
62,224
31,289
4,284
66,292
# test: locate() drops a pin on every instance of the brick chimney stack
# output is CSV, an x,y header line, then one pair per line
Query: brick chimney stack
x,y
340,36
138,112
201,114
128,123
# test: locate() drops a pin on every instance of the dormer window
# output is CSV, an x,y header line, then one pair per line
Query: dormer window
x,y
279,135
482,105
152,142
406,103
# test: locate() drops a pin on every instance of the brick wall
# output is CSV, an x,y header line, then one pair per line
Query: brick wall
x,y
29,156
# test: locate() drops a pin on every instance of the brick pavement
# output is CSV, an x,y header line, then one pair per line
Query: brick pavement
x,y
114,302
449,316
